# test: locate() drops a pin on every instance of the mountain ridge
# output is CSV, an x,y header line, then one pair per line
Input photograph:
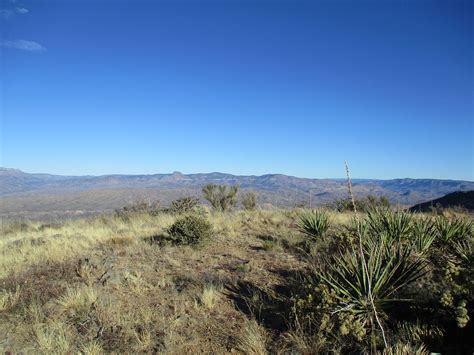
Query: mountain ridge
x,y
22,192
458,199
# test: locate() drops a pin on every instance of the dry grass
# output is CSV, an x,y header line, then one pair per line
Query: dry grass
x,y
103,285
21,249
253,339
8,299
209,297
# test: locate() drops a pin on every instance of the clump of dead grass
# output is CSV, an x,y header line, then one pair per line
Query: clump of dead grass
x,y
253,339
210,296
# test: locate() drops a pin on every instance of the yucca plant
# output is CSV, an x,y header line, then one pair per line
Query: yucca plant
x,y
395,224
314,223
464,250
423,235
389,269
453,229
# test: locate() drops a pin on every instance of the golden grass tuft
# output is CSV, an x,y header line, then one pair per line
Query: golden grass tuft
x,y
210,296
77,300
92,348
8,299
52,338
253,339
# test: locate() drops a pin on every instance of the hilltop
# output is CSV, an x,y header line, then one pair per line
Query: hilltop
x,y
462,199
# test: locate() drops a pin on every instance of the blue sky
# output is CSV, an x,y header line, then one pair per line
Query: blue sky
x,y
245,87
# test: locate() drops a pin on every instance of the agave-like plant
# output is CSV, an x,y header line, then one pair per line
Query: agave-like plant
x,y
453,229
314,223
394,224
464,250
423,235
365,284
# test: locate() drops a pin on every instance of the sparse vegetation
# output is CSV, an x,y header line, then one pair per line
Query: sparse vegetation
x,y
362,204
139,207
98,285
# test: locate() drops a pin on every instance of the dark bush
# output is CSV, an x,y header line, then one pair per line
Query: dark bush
x,y
183,205
152,208
190,229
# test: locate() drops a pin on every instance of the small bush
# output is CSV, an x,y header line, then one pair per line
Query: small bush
x,y
249,200
190,230
362,204
152,208
269,245
314,223
183,205
221,197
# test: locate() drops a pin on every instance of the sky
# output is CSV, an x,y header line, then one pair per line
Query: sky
x,y
242,87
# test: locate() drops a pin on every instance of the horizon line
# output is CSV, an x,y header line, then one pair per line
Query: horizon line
x,y
236,175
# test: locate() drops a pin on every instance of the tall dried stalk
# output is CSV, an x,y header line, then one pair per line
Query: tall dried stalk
x,y
362,254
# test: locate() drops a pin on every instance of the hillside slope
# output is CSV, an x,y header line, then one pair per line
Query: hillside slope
x,y
463,199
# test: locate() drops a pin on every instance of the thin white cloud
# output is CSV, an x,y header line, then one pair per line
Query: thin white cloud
x,y
11,11
22,10
24,45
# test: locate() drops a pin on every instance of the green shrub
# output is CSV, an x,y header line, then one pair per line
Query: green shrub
x,y
190,229
362,204
249,200
183,205
314,223
221,197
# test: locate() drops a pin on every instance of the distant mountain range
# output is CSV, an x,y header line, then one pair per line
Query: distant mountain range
x,y
24,194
